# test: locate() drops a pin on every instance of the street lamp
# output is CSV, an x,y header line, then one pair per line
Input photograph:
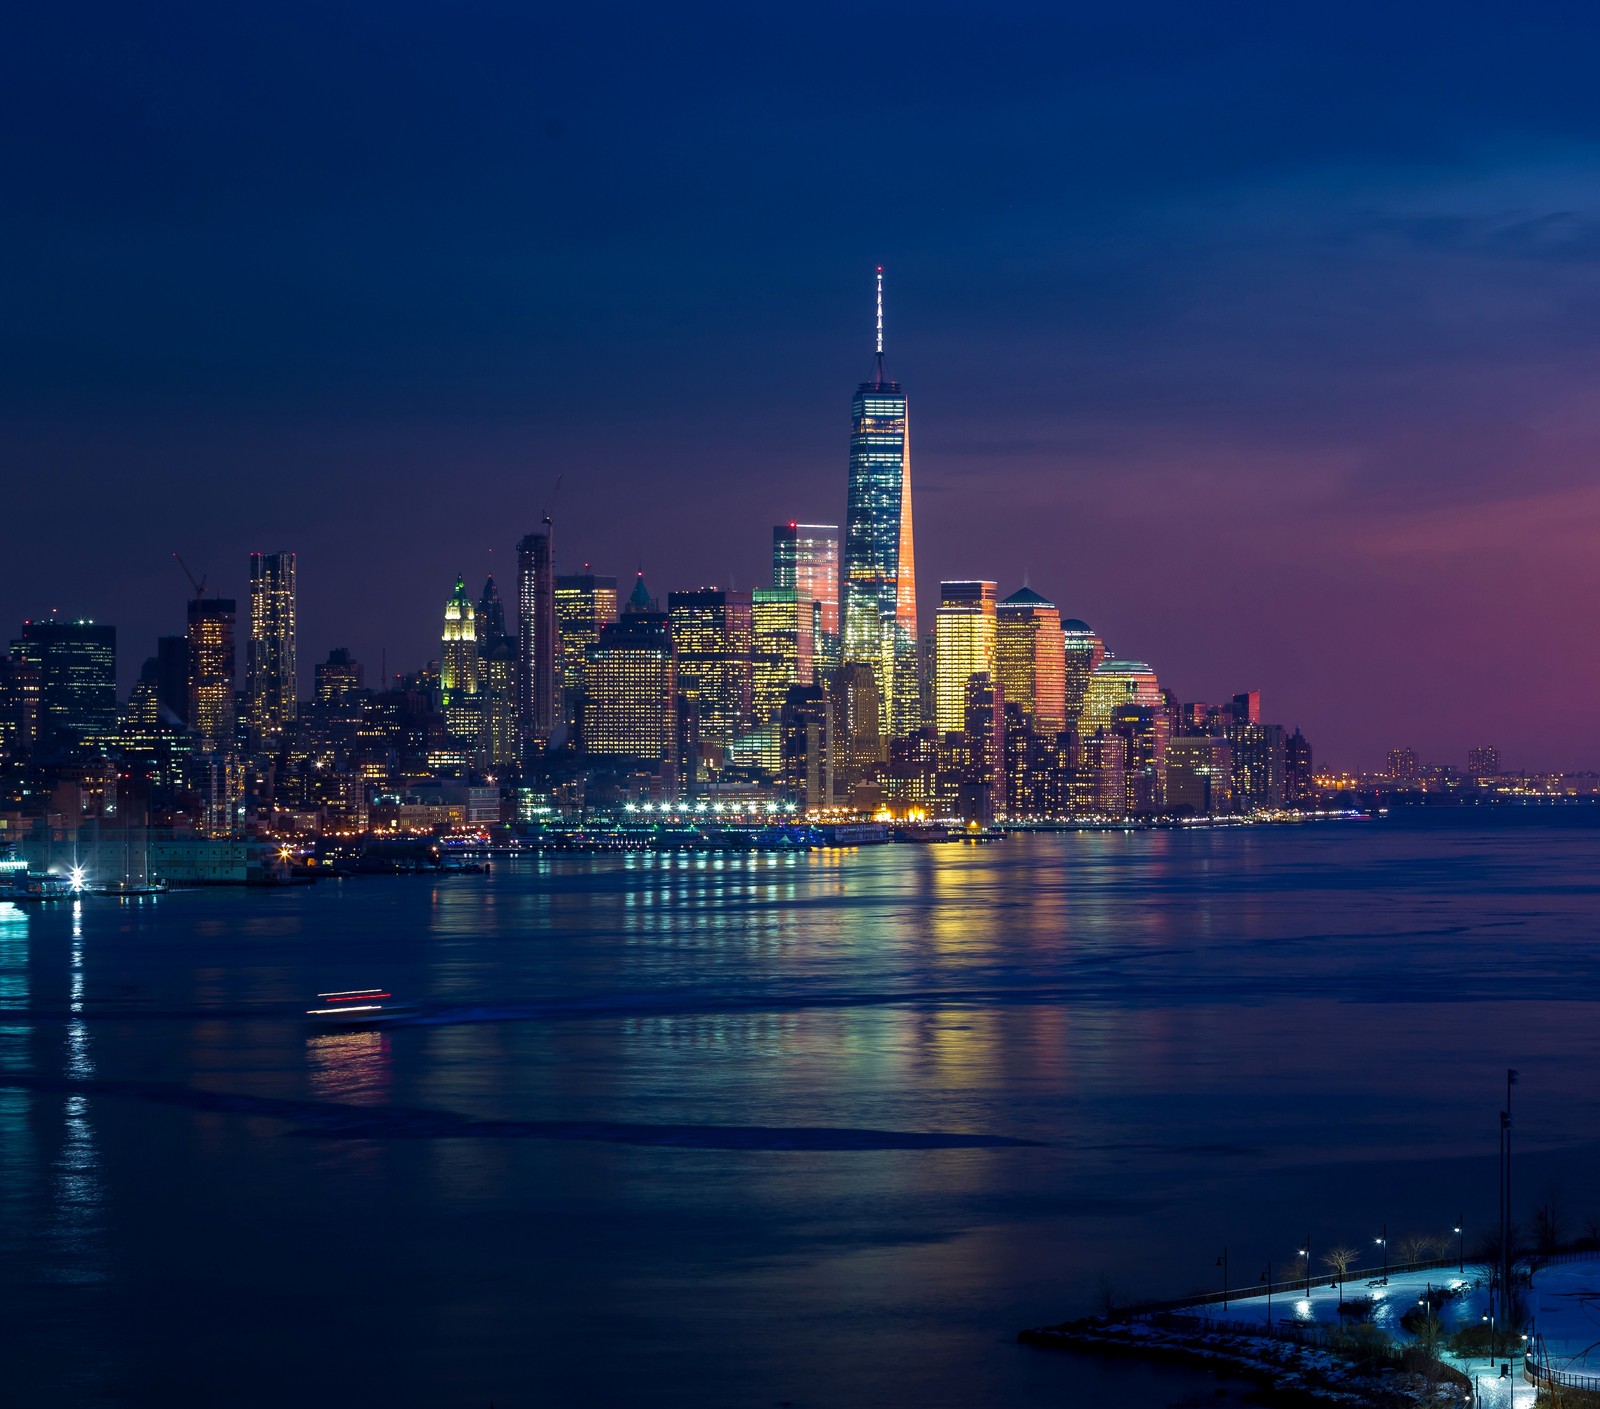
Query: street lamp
x,y
1305,1252
1489,1317
1383,1242
1461,1244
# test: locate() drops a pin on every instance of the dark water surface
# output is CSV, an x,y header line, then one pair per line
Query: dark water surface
x,y
821,1129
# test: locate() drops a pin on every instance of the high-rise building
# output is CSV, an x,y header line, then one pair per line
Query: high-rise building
x,y
1299,777
631,685
983,794
1259,759
711,635
1084,651
584,604
1030,660
1113,683
1144,728
879,606
782,648
271,681
964,644
212,666
1104,767
805,556
536,635
1246,707
1482,762
499,743
73,667
458,648
858,745
172,677
339,679
1404,766
19,704
807,733
1199,775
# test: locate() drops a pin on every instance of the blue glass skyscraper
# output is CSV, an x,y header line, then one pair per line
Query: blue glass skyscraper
x,y
879,577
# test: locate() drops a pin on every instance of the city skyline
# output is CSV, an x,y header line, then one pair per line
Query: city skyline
x,y
1279,378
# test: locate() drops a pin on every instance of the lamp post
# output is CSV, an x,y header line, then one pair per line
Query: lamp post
x,y
1461,1244
1222,1262
1305,1252
1383,1242
1489,1317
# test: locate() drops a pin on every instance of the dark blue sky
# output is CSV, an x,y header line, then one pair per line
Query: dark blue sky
x,y
1263,338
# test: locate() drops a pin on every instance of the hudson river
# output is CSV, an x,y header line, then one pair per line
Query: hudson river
x,y
822,1129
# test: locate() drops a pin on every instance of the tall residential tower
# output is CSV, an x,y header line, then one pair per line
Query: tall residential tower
x,y
270,677
879,579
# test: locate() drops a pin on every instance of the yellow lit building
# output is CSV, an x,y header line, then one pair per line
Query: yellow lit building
x,y
1030,659
584,603
1114,683
270,672
782,647
964,645
211,669
1084,651
631,688
458,648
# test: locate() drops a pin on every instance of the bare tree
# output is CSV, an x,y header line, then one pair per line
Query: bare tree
x,y
1416,1247
1550,1220
1339,1261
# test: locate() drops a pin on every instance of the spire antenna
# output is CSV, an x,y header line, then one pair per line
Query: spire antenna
x,y
880,310
878,360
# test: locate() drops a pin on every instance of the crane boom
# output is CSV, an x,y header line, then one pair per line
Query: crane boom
x,y
199,584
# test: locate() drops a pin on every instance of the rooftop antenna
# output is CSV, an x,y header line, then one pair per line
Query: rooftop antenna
x,y
881,377
550,503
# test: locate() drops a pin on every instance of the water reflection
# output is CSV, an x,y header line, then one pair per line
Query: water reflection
x,y
76,1215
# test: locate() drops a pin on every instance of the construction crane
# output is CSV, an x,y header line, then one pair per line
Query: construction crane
x,y
199,584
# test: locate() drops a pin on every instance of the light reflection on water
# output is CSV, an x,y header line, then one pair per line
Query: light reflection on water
x,y
1216,1036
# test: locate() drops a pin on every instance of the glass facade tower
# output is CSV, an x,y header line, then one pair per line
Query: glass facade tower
x,y
805,556
879,601
270,673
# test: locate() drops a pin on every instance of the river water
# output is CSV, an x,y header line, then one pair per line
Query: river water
x,y
823,1129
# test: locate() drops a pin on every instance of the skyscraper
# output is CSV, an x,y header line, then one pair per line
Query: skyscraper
x,y
782,648
584,603
458,648
67,681
271,685
536,635
498,744
711,637
1117,682
805,556
212,665
964,640
1083,651
879,588
1030,660
630,679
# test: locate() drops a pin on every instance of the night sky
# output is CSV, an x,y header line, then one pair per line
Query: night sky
x,y
1265,339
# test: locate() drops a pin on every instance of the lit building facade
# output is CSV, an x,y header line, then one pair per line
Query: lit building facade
x,y
805,556
1114,683
964,646
631,685
271,677
711,635
499,738
212,667
983,794
879,605
65,686
340,679
585,603
458,649
1030,660
783,648
536,635
1082,652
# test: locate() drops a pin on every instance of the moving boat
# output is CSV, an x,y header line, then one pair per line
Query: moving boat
x,y
359,1007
